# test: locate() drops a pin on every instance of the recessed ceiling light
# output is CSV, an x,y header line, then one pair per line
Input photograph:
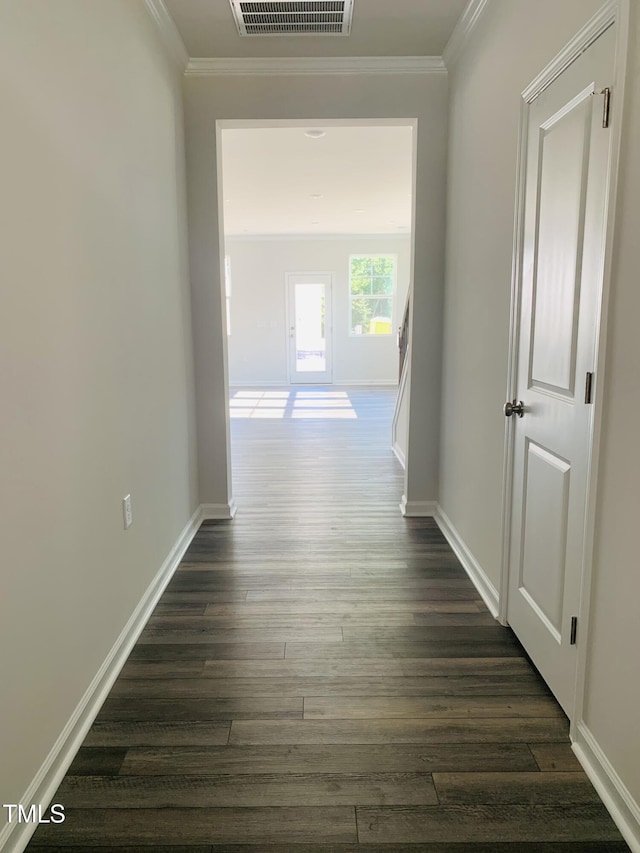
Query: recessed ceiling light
x,y
316,195
359,210
315,222
315,133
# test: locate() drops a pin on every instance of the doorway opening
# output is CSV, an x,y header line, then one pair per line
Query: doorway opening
x,y
316,221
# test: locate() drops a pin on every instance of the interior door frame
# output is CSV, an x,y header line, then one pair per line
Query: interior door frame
x,y
219,246
613,13
289,280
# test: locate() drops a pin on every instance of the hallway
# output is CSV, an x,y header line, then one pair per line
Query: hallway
x,y
320,672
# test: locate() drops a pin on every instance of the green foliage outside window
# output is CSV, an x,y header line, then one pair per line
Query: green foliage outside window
x,y
372,280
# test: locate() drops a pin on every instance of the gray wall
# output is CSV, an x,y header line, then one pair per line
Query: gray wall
x,y
95,351
511,44
258,350
348,97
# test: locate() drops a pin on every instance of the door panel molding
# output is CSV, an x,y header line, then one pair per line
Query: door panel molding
x,y
541,468
553,367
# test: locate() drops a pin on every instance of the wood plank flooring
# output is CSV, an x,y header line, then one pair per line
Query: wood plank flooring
x,y
320,675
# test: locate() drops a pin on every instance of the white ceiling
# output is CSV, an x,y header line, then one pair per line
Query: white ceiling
x,y
379,28
362,175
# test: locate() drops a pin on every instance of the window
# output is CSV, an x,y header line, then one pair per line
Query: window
x,y
372,281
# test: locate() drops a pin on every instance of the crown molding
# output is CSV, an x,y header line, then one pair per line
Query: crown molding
x,y
462,31
309,65
169,34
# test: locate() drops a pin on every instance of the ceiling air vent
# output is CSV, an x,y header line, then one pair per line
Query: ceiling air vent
x,y
293,17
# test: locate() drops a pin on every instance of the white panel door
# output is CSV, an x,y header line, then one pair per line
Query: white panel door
x,y
309,329
561,283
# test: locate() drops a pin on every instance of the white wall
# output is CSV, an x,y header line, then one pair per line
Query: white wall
x,y
258,346
95,353
317,98
512,42
485,83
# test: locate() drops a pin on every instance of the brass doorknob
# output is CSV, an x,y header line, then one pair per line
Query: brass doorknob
x,y
514,408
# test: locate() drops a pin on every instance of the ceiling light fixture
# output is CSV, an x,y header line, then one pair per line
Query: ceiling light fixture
x,y
316,195
315,133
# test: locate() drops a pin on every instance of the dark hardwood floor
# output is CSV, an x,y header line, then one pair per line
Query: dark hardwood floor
x,y
320,675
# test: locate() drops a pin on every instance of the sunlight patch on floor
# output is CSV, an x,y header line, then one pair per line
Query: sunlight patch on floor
x,y
296,405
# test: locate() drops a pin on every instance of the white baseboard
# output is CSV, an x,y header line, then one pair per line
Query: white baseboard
x,y
218,512
15,836
399,453
471,566
624,810
417,509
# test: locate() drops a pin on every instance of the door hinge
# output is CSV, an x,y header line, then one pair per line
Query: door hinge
x,y
606,110
588,388
574,630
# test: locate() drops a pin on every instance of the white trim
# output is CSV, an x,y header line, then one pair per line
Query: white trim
x,y
15,836
218,512
601,21
417,509
227,510
399,454
314,65
617,798
411,298
169,33
512,359
472,567
462,31
403,388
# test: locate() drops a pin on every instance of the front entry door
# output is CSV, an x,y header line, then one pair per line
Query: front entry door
x,y
309,331
560,292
